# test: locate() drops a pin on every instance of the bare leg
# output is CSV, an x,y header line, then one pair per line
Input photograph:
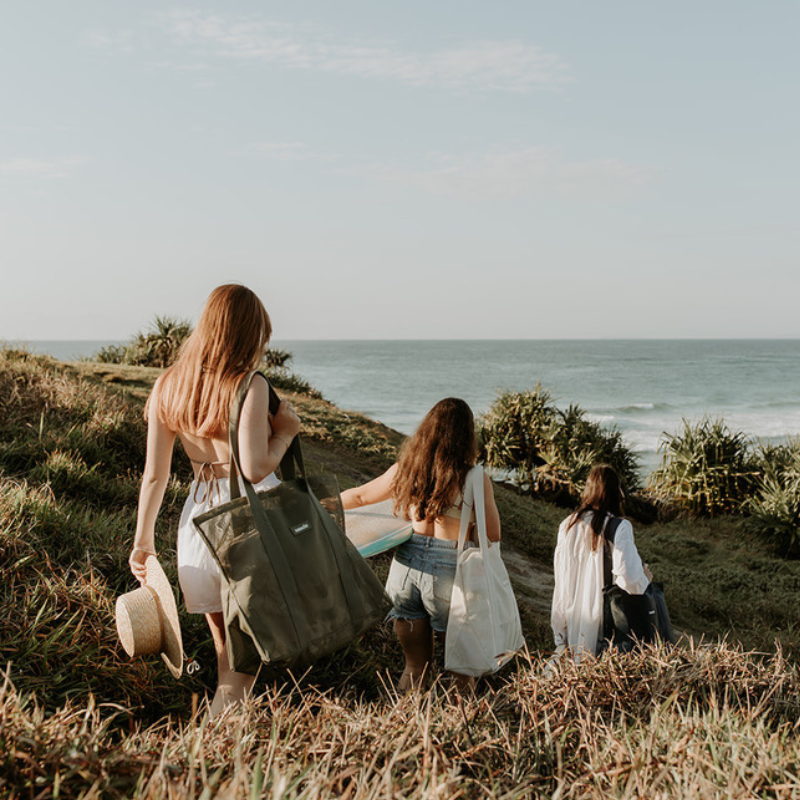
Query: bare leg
x,y
461,683
233,687
416,639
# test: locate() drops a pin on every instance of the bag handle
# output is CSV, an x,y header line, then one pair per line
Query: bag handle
x,y
610,530
293,454
473,496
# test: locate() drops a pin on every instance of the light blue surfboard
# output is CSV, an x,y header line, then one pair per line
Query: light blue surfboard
x,y
374,529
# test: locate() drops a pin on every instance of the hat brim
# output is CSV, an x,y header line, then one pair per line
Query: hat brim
x,y
172,643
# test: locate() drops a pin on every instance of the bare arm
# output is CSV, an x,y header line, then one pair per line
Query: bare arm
x,y
492,514
373,492
157,465
262,445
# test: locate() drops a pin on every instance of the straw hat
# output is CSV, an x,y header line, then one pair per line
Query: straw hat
x,y
147,619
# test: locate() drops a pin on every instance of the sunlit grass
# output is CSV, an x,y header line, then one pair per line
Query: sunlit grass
x,y
702,721
80,719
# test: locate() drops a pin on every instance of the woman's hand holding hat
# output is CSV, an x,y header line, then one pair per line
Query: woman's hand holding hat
x,y
138,562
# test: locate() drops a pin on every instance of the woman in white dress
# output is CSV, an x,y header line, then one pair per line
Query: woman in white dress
x,y
577,613
191,401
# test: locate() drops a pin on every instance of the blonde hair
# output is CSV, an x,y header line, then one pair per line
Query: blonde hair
x,y
194,395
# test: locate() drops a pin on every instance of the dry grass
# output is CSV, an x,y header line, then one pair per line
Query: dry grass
x,y
78,719
709,721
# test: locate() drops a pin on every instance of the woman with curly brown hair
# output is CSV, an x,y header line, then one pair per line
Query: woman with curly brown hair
x,y
426,485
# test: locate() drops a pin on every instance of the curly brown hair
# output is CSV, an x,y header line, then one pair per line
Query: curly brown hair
x,y
434,462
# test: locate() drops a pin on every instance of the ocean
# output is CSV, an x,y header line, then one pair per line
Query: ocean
x,y
643,387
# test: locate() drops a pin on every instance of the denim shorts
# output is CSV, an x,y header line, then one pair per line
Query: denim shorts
x,y
421,578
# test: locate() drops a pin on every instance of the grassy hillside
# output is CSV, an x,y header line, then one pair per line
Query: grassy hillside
x,y
75,713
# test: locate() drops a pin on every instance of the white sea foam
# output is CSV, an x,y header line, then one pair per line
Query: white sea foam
x,y
766,425
602,419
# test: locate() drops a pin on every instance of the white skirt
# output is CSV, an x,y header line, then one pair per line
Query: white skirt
x,y
198,572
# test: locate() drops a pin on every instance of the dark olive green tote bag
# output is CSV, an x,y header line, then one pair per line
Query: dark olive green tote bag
x,y
294,587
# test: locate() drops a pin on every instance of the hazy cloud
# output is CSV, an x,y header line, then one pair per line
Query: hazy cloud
x,y
280,151
120,41
504,174
40,167
510,66
285,151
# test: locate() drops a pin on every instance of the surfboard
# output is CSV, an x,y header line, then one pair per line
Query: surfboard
x,y
374,529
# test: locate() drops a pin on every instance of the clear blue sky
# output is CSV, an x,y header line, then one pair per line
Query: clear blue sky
x,y
450,169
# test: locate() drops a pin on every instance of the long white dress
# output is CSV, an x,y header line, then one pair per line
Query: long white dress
x,y
577,613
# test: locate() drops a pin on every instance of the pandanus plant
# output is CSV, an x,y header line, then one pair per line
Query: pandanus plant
x,y
547,450
705,468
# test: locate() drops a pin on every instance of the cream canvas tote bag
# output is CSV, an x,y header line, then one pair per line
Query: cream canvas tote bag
x,y
484,629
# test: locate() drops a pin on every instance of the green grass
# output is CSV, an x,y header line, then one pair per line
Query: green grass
x,y
79,719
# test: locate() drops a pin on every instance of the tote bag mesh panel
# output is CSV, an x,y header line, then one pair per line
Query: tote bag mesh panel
x,y
322,614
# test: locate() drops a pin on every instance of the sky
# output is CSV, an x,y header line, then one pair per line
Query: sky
x,y
513,169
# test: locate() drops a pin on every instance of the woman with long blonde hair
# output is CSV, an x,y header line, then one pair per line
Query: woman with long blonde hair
x,y
426,485
191,400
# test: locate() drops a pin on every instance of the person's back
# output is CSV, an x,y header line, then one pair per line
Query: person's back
x,y
577,610
426,486
192,401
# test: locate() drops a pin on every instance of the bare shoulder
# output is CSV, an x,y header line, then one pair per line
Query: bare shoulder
x,y
154,402
257,395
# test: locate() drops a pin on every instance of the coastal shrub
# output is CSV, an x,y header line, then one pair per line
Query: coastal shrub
x,y
111,354
578,443
515,431
283,379
549,450
705,468
775,509
275,358
157,347
777,459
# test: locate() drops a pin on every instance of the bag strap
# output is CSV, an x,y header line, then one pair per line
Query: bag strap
x,y
473,496
292,457
612,523
293,454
